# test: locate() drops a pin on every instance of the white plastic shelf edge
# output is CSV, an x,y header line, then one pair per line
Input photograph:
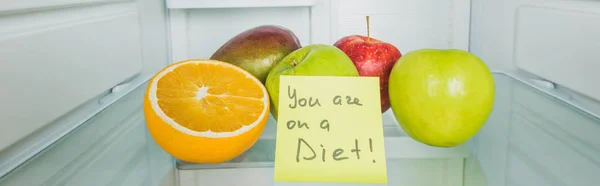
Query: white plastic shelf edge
x,y
190,4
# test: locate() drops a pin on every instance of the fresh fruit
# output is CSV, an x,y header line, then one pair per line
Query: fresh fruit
x,y
258,49
205,111
441,97
311,60
372,57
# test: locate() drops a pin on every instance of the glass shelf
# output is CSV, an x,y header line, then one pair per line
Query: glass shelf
x,y
398,145
114,148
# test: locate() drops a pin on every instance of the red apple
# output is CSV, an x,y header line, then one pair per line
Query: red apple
x,y
371,57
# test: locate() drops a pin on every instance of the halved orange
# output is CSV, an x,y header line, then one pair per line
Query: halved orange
x,y
205,111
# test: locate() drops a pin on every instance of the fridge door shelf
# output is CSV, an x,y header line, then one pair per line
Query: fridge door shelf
x,y
530,137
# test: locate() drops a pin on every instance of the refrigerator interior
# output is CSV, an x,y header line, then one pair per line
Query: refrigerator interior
x,y
73,73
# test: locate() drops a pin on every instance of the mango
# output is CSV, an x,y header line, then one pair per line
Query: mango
x,y
258,49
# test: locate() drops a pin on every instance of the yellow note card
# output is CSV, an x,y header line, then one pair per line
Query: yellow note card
x,y
330,130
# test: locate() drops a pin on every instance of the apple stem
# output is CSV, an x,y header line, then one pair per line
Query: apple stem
x,y
368,30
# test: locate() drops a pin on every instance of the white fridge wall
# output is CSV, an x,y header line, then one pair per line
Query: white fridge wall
x,y
209,28
200,29
554,39
407,24
559,42
59,60
493,28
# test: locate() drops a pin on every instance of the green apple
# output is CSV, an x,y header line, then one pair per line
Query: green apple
x,y
441,97
311,60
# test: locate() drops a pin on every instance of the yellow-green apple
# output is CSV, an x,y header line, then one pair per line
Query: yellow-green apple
x,y
441,97
371,57
311,60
